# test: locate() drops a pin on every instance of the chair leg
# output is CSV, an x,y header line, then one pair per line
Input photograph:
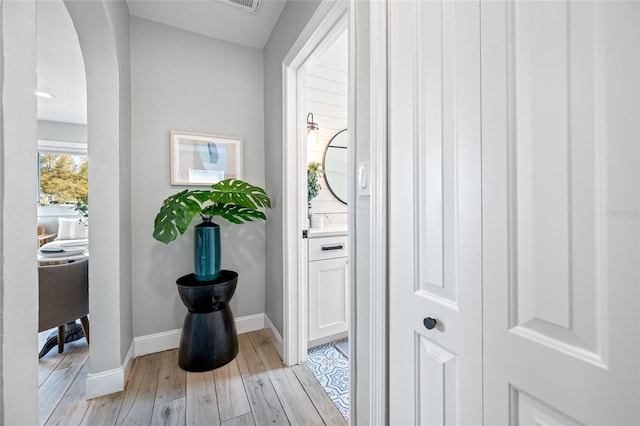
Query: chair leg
x,y
60,338
85,327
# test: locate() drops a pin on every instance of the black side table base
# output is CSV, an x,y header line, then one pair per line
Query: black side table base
x,y
209,339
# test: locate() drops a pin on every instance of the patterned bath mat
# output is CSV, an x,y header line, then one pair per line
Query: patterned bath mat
x,y
331,368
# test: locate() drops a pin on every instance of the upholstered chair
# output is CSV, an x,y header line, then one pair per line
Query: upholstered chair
x,y
64,297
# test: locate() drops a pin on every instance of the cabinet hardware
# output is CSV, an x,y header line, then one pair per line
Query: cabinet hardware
x,y
327,248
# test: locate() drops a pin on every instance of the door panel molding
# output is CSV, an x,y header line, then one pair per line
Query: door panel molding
x,y
528,410
434,213
556,177
437,384
560,149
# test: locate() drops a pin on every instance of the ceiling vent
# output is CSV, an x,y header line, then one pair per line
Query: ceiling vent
x,y
246,5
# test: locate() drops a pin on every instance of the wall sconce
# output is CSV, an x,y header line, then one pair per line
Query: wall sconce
x,y
312,130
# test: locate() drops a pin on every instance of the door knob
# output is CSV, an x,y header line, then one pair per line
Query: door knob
x,y
429,323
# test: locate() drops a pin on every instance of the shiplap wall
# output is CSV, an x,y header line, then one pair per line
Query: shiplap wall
x,y
326,98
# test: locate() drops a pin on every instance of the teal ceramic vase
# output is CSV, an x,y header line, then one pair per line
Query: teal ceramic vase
x,y
207,251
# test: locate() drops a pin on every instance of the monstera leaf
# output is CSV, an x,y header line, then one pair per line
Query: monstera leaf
x,y
233,191
176,214
232,199
234,213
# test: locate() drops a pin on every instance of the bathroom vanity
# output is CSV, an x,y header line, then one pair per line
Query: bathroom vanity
x,y
328,284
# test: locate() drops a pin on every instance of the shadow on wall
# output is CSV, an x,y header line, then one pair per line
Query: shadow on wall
x,y
244,251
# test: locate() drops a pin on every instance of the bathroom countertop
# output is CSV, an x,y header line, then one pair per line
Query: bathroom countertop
x,y
327,231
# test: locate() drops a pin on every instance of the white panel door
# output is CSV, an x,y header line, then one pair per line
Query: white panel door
x,y
561,217
435,375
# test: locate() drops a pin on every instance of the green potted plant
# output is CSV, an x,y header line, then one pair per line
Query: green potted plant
x,y
232,199
209,339
82,207
314,173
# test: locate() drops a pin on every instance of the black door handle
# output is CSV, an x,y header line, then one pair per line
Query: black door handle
x,y
429,323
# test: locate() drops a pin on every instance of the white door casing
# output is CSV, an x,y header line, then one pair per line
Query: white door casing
x,y
435,376
561,218
329,19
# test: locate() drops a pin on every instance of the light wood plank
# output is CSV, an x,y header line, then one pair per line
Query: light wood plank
x,y
171,379
104,410
249,361
53,389
72,407
325,406
244,420
48,364
171,413
137,405
76,353
294,399
264,401
202,402
275,394
232,398
52,359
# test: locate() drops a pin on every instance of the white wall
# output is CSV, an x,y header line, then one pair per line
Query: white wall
x,y
18,278
326,97
294,18
184,81
119,19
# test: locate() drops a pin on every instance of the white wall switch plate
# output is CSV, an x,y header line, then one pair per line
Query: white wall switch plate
x,y
364,183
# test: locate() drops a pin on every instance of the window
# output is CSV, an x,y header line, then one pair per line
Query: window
x,y
62,173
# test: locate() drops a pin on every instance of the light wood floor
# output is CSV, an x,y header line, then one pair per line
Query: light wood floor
x,y
254,389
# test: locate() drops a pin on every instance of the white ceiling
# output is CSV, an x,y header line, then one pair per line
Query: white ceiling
x,y
60,63
60,66
213,18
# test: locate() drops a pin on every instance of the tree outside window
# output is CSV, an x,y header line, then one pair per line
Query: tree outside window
x,y
63,179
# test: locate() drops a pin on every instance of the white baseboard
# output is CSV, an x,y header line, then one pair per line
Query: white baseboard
x,y
109,381
104,383
158,342
327,339
127,364
276,338
249,323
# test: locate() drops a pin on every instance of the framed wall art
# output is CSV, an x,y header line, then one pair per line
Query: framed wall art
x,y
203,159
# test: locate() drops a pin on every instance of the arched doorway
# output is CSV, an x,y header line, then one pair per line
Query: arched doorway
x,y
103,29
103,32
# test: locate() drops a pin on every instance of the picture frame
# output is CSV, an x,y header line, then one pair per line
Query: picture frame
x,y
201,159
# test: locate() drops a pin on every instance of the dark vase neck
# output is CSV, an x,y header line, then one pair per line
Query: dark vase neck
x,y
206,223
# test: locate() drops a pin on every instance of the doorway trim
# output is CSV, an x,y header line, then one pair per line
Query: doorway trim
x,y
329,18
378,310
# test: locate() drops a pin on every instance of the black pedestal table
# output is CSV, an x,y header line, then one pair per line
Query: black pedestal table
x,y
209,339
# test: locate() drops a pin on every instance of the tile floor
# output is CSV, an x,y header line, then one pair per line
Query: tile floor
x,y
329,363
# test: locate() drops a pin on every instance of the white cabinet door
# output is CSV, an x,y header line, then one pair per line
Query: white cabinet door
x,y
435,375
561,212
328,297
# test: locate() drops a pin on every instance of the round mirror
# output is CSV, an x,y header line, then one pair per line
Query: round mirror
x,y
334,164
